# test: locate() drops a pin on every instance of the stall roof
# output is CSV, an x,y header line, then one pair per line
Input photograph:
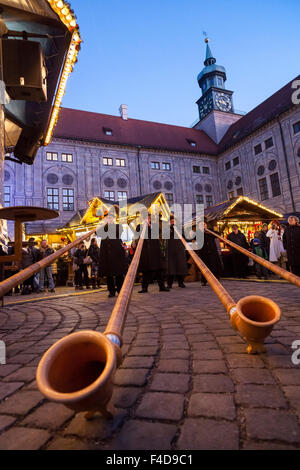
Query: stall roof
x,y
241,208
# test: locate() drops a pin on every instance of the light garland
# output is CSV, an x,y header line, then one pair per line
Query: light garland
x,y
244,198
68,18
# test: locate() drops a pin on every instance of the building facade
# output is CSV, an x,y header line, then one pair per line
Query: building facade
x,y
224,155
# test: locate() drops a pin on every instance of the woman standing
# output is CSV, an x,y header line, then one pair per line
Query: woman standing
x,y
276,246
94,253
81,274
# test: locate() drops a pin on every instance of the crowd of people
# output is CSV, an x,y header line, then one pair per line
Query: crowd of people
x,y
164,260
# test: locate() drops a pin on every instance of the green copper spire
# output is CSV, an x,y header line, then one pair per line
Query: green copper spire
x,y
209,60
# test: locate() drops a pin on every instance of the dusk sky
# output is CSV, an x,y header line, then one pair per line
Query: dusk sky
x,y
148,54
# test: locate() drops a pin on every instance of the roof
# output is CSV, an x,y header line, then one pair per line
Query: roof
x,y
271,108
241,208
90,127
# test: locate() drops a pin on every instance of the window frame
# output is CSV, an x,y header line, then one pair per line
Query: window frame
x,y
7,203
68,196
119,162
155,165
228,165
53,204
67,155
296,127
166,164
206,170
197,172
263,181
267,146
109,197
255,149
209,200
234,160
107,159
51,159
275,184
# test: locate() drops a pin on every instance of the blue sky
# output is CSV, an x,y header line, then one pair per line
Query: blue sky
x,y
147,54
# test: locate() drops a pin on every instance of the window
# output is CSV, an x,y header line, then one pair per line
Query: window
x,y
68,200
53,199
220,81
166,166
275,185
107,131
231,195
269,143
199,199
67,157
122,195
110,195
169,198
209,201
227,166
192,143
196,169
296,127
155,166
120,162
257,149
206,170
7,196
240,192
236,161
263,188
52,157
107,161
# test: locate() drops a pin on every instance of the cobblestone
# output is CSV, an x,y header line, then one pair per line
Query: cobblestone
x,y
186,381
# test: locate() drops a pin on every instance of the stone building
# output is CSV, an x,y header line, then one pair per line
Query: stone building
x,y
224,155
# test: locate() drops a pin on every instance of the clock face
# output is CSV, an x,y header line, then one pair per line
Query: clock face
x,y
223,102
206,106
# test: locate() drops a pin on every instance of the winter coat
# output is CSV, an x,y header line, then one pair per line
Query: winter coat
x,y
264,241
276,245
112,258
291,242
209,254
45,252
177,265
79,256
94,253
152,257
239,239
27,259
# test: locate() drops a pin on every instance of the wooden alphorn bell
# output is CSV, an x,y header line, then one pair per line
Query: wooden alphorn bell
x,y
253,317
79,369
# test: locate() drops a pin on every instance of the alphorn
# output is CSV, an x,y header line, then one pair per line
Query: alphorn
x,y
78,370
19,278
292,278
253,317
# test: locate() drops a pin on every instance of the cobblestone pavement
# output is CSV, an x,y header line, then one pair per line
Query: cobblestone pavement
x,y
185,381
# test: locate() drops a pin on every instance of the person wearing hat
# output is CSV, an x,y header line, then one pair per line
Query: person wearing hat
x,y
291,242
112,258
258,249
240,261
177,263
210,254
153,261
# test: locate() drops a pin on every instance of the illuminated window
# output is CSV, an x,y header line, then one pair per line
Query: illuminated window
x,y
120,162
53,199
155,166
122,195
67,157
110,195
107,131
52,157
7,196
107,161
68,200
166,166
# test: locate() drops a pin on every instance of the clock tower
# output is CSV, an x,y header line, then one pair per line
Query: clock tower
x,y
211,81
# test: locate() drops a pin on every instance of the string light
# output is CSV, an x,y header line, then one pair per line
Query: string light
x,y
67,16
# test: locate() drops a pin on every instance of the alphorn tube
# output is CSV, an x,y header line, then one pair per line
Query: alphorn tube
x,y
292,278
19,278
78,370
253,317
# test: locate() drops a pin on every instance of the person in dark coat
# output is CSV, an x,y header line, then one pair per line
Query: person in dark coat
x,y
291,243
240,261
153,260
176,256
26,261
264,240
112,260
81,274
94,253
210,256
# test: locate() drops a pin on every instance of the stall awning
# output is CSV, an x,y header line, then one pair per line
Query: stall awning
x,y
241,208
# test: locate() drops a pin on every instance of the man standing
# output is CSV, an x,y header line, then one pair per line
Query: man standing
x,y
177,263
264,240
45,251
291,243
210,255
240,261
112,259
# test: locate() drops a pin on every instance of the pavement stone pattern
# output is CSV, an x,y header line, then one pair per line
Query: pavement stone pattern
x,y
185,382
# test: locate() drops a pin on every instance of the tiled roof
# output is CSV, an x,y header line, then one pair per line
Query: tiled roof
x,y
92,127
271,108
